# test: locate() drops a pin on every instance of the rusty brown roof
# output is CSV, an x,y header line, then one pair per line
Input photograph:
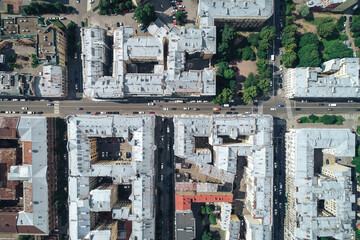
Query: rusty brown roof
x,y
27,154
8,127
9,190
8,222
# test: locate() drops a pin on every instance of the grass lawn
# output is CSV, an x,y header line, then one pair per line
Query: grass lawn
x,y
58,24
358,130
318,20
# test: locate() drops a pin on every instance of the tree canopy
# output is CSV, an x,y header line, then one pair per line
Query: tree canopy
x,y
326,29
308,38
253,39
304,10
309,56
289,59
336,49
38,8
180,17
145,14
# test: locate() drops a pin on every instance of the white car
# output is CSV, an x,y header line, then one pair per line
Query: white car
x,y
78,1
165,109
193,101
24,108
15,100
272,109
196,109
181,6
7,111
186,108
140,25
199,101
151,104
141,113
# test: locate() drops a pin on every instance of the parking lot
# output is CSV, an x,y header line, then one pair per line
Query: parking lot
x,y
117,149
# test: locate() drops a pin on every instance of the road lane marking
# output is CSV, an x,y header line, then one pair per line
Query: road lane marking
x,y
56,107
288,109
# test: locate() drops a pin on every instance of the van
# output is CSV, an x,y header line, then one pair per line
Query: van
x,y
332,104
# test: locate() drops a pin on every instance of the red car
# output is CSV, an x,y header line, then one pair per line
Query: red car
x,y
182,9
178,3
151,112
172,14
217,109
126,11
175,23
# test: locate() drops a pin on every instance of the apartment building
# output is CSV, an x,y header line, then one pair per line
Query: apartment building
x,y
111,182
238,13
320,192
148,66
337,78
330,5
28,175
212,147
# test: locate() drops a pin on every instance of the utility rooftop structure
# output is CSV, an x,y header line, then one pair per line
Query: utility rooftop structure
x,y
247,14
106,188
141,65
27,176
320,192
214,143
338,78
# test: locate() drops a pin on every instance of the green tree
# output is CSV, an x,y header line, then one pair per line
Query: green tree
x,y
261,54
264,85
223,51
224,97
209,209
179,16
228,34
336,49
203,210
289,59
340,23
206,236
145,14
313,118
290,47
253,39
267,33
289,9
248,54
357,41
221,68
308,38
290,30
251,80
250,94
26,237
262,65
263,45
309,56
355,24
326,29
339,120
229,74
328,119
212,218
233,85
290,20
60,7
122,7
304,10
129,5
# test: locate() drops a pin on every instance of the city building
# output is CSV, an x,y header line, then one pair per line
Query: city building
x,y
40,41
111,181
320,192
331,5
210,149
174,62
337,78
27,175
239,13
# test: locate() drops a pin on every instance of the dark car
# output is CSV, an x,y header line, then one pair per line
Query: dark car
x,y
228,112
216,112
118,24
88,112
4,112
233,109
79,108
22,112
321,104
330,109
135,112
142,28
350,18
115,112
173,109
128,154
39,112
297,109
235,112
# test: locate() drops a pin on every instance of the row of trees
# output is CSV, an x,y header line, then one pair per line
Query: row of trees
x,y
309,54
257,85
145,14
114,6
325,119
37,8
71,42
225,83
355,29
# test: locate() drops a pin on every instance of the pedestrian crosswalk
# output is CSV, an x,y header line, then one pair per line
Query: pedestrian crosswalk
x,y
56,107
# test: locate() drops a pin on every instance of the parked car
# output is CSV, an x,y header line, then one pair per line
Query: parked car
x,y
24,108
165,109
79,108
216,112
88,112
280,105
151,104
50,104
216,109
186,108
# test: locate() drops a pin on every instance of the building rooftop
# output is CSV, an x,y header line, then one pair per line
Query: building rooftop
x,y
129,51
330,184
338,78
32,172
211,10
185,225
138,132
52,82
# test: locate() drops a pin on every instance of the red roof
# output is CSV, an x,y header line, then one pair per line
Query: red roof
x,y
183,202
